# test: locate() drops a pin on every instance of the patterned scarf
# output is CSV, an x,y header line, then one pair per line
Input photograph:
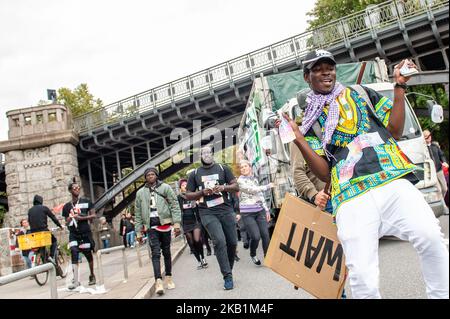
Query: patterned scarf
x,y
315,104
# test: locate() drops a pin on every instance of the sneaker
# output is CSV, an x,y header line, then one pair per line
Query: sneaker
x,y
159,287
236,258
169,282
228,283
91,280
255,260
74,285
204,263
246,245
208,253
200,265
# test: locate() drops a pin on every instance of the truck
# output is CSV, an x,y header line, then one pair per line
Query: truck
x,y
260,143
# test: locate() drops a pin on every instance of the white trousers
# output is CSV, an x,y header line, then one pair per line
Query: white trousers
x,y
395,209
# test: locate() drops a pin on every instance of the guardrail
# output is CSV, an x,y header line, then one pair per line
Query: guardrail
x,y
286,51
31,272
100,266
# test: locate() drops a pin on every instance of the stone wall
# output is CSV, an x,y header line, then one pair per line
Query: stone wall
x,y
45,171
5,252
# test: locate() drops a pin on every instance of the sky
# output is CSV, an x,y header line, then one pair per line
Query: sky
x,y
121,48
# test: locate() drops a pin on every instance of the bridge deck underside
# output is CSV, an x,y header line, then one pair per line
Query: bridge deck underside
x,y
131,141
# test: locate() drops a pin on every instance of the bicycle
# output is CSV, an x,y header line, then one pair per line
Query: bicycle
x,y
41,255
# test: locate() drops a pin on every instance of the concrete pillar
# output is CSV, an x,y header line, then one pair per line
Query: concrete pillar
x,y
40,159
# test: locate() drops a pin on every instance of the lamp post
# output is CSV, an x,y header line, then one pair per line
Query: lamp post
x,y
51,95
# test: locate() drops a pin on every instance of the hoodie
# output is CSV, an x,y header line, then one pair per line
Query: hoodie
x,y
38,214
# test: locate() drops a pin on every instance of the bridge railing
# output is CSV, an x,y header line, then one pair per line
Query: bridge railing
x,y
268,58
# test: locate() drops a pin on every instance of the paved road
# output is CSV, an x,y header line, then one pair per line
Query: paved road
x,y
400,276
139,280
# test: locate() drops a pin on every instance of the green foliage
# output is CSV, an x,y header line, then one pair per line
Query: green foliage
x,y
2,214
437,91
3,210
64,248
224,156
182,173
326,11
439,131
80,100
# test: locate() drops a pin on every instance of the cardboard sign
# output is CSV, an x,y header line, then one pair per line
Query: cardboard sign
x,y
305,249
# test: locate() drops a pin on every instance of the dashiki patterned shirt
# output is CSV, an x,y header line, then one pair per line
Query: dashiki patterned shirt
x,y
365,155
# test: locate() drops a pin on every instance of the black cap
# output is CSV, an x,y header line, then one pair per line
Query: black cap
x,y
151,169
315,56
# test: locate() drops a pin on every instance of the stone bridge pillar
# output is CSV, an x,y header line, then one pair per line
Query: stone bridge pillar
x,y
40,158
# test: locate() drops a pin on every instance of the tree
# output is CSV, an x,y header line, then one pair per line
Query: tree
x,y
2,214
80,100
3,210
328,10
439,131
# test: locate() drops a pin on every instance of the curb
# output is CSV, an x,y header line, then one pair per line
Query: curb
x,y
149,288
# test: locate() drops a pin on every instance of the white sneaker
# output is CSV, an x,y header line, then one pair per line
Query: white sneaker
x,y
169,282
159,287
74,285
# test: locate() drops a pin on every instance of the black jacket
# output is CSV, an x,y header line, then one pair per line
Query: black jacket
x,y
437,155
38,214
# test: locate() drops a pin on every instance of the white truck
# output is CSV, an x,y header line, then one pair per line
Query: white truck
x,y
260,143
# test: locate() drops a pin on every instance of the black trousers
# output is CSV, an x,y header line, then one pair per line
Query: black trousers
x,y
257,229
160,241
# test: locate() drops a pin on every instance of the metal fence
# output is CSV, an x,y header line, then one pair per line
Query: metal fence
x,y
101,281
278,54
31,272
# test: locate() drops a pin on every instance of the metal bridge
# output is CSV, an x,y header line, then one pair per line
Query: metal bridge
x,y
135,132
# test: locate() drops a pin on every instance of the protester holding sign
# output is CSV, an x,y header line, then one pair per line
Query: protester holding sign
x,y
308,186
372,179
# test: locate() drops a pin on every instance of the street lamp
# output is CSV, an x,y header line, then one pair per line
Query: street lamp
x,y
51,95
435,110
